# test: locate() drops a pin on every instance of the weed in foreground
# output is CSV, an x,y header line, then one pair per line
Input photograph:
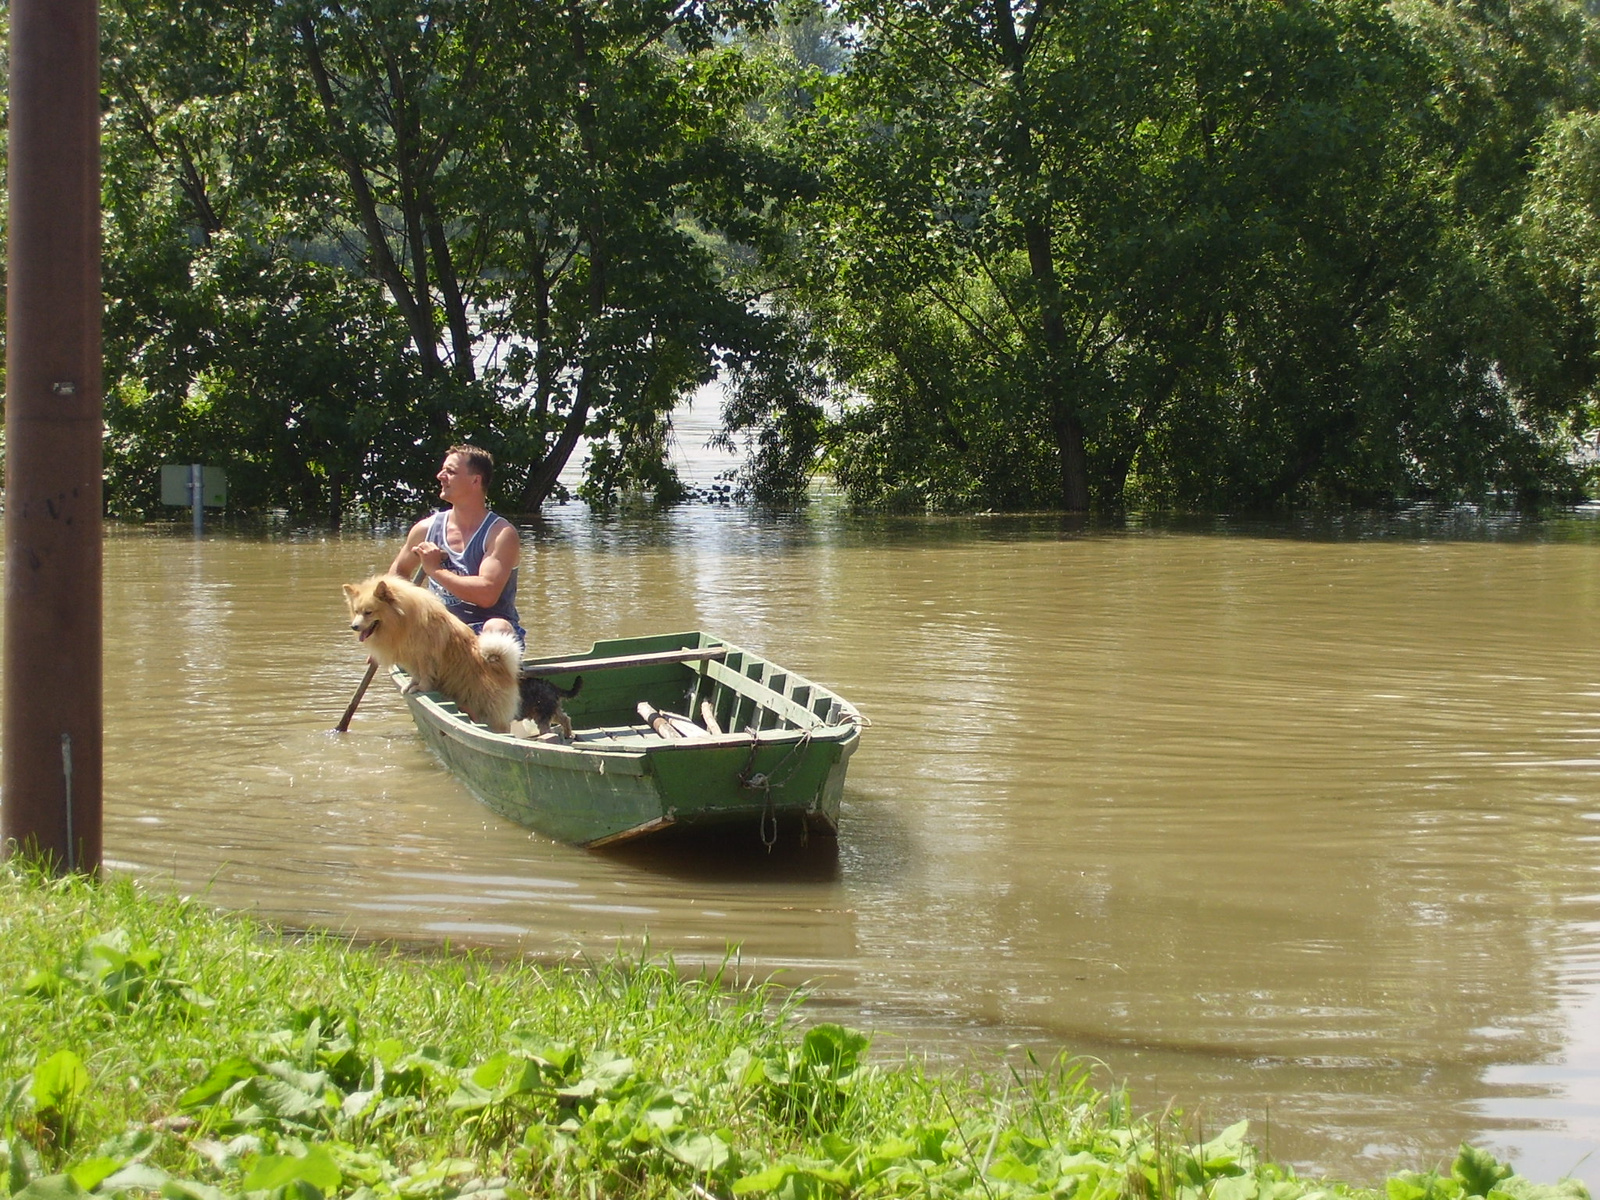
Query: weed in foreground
x,y
151,1047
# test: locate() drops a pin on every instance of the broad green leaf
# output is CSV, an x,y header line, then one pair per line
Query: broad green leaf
x,y
701,1151
222,1077
107,950
1225,1150
21,1166
187,1189
840,1150
791,1178
1401,1188
492,1072
1478,1171
196,998
43,983
278,1098
51,1187
601,1078
664,1117
356,1104
130,1144
766,1180
1411,1185
138,1177
470,1096
1518,1188
834,1047
88,1173
1009,1170
311,1083
891,1149
362,1166
743,1069
315,1167
1234,1187
435,1177
59,1082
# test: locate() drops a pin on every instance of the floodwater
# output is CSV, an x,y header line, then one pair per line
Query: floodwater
x,y
1293,822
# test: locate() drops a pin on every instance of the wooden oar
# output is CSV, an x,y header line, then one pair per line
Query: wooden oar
x,y
366,681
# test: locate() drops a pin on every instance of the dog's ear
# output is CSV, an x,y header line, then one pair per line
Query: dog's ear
x,y
351,591
381,590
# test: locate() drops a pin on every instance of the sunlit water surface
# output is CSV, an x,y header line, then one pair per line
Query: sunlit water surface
x,y
1298,824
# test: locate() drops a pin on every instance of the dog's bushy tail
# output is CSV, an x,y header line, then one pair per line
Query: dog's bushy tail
x,y
501,648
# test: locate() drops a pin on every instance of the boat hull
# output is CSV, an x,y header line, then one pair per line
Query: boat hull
x,y
618,780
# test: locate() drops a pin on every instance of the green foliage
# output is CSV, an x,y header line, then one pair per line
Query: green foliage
x,y
1478,1174
775,412
341,237
810,1085
110,970
232,336
57,1088
1199,256
962,256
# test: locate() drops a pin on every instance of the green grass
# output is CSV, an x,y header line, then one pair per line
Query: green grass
x,y
150,1046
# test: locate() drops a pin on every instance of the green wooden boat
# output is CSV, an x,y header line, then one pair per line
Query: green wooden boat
x,y
735,739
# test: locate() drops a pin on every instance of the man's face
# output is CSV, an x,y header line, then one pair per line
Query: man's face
x,y
455,480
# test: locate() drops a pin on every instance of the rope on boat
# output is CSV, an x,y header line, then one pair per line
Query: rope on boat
x,y
842,711
757,781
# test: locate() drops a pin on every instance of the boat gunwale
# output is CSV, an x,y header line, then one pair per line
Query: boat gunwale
x,y
509,745
580,755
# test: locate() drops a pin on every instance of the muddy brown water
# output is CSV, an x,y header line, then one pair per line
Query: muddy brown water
x,y
1297,823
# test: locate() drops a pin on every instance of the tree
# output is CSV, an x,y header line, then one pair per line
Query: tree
x,y
227,340
494,216
1217,254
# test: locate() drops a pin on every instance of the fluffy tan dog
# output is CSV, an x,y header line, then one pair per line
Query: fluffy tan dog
x,y
401,624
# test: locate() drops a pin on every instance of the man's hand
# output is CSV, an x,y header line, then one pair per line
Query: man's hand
x,y
430,556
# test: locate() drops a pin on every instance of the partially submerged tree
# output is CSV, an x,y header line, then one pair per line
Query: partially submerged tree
x,y
499,200
1197,255
232,335
1209,255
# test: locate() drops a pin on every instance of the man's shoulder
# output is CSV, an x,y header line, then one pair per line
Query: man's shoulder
x,y
422,524
501,532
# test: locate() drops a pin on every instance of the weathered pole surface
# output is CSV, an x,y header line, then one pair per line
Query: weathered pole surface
x,y
50,740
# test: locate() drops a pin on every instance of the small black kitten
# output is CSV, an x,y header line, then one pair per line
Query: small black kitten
x,y
541,704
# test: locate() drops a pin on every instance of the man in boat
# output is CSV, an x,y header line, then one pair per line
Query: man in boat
x,y
468,553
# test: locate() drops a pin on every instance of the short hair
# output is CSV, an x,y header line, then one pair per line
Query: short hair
x,y
476,460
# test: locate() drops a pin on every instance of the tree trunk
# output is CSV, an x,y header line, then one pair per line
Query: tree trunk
x,y
1040,244
414,305
1074,462
455,306
543,480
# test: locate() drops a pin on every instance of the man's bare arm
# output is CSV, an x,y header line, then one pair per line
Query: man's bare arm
x,y
406,562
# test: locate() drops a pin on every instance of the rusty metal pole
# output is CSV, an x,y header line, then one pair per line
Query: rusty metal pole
x,y
50,739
